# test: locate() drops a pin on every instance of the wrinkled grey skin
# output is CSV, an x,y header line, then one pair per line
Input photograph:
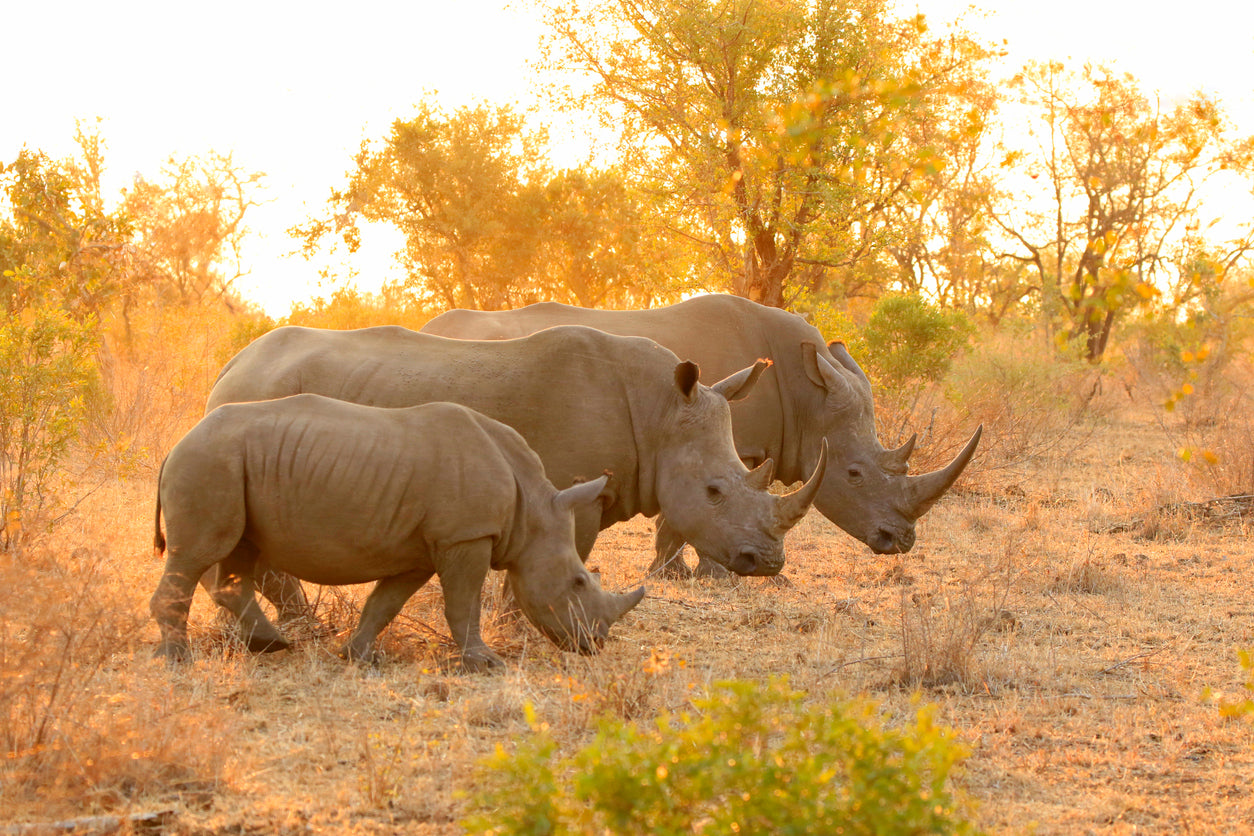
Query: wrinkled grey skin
x,y
337,493
587,403
816,391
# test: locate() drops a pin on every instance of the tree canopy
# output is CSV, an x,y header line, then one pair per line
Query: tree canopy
x,y
775,138
487,223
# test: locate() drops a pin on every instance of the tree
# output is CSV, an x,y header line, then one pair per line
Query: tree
x,y
1113,186
62,258
58,243
487,224
189,226
594,249
771,136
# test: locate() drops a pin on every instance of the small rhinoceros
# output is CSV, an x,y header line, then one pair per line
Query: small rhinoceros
x,y
337,493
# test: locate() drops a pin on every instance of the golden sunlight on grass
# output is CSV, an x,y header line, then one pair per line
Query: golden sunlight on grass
x,y
1070,652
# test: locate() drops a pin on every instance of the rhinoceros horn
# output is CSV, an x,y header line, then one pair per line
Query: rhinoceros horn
x,y
793,506
896,461
925,489
761,476
622,603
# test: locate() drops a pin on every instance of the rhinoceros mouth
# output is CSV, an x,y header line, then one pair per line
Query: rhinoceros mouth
x,y
584,644
885,540
752,563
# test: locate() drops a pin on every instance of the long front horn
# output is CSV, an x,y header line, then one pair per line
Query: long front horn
x,y
624,602
898,460
793,506
926,488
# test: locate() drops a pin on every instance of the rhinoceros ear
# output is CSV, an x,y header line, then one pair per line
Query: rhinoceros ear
x,y
583,493
739,385
842,355
687,374
821,371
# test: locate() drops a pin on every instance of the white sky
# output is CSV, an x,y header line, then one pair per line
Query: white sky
x,y
292,89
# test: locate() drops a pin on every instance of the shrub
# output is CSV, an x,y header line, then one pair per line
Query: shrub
x,y
156,367
85,726
1030,399
45,374
753,759
911,343
348,307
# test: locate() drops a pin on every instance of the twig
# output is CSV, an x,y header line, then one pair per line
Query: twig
x,y
1216,509
1083,696
674,601
77,502
1089,610
1143,654
139,822
852,662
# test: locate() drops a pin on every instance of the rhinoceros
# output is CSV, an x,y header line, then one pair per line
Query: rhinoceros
x,y
587,402
338,493
817,391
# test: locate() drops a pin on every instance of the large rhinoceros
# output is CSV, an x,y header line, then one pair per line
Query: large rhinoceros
x,y
587,402
817,391
337,493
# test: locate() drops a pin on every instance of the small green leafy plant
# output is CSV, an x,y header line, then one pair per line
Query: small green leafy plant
x,y
753,758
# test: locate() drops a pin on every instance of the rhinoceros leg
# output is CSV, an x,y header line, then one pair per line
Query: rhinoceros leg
x,y
668,547
185,563
234,591
170,604
284,591
707,568
462,569
279,588
385,601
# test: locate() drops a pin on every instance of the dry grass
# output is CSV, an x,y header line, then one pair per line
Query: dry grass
x,y
1071,655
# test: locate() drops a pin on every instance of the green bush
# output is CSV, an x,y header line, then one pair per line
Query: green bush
x,y
46,372
911,343
832,323
753,759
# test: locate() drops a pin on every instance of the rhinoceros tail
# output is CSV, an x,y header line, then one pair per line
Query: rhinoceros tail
x,y
158,540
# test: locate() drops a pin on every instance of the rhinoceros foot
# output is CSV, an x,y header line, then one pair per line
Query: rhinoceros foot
x,y
172,652
674,568
361,651
259,643
707,568
482,660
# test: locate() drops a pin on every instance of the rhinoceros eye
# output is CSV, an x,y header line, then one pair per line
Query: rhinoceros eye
x,y
714,493
855,474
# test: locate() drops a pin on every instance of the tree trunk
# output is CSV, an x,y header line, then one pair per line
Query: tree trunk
x,y
766,271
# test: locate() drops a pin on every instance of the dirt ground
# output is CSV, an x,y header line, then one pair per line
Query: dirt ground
x,y
1062,622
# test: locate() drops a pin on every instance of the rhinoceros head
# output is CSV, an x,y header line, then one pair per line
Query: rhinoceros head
x,y
867,490
705,491
556,593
